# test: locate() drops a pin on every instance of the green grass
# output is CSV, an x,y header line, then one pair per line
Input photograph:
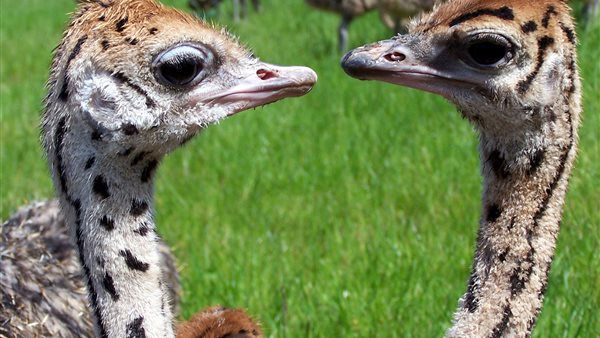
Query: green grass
x,y
351,212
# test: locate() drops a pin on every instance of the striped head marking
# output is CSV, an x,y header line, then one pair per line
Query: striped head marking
x,y
494,59
136,72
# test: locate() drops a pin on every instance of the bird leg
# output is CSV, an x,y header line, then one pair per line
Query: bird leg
x,y
343,32
236,11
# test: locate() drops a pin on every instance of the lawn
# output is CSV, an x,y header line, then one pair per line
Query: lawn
x,y
351,212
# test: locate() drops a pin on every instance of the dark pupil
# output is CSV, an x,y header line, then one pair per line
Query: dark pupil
x,y
181,71
487,53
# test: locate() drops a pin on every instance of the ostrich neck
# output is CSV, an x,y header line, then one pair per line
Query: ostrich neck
x,y
524,189
107,200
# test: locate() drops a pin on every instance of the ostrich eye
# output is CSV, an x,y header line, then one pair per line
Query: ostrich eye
x,y
489,51
182,66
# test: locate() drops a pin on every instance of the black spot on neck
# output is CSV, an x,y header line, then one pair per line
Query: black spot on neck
x,y
135,329
59,135
528,27
502,256
90,162
142,230
498,164
498,331
536,160
105,44
504,13
96,135
162,299
549,12
101,262
129,129
107,223
109,286
559,174
543,44
133,263
100,187
64,91
138,207
569,33
511,225
471,303
572,69
132,41
493,213
522,273
139,157
120,26
148,170
102,18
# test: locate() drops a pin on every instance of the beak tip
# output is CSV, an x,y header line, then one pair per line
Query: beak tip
x,y
307,76
312,76
353,64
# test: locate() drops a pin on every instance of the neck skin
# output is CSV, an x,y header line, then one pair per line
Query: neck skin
x,y
107,200
524,189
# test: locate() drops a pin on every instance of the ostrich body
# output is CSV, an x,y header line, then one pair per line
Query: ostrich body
x,y
394,13
43,292
130,82
348,9
510,67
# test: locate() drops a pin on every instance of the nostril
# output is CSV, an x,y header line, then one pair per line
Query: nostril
x,y
395,57
265,74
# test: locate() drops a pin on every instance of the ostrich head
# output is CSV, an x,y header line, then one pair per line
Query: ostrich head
x,y
135,72
500,62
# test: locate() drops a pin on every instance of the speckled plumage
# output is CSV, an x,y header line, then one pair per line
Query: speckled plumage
x,y
42,293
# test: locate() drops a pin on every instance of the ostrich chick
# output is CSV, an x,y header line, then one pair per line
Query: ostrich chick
x,y
131,81
511,69
218,322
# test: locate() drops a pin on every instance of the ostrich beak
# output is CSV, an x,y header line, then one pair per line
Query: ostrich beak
x,y
401,61
266,84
